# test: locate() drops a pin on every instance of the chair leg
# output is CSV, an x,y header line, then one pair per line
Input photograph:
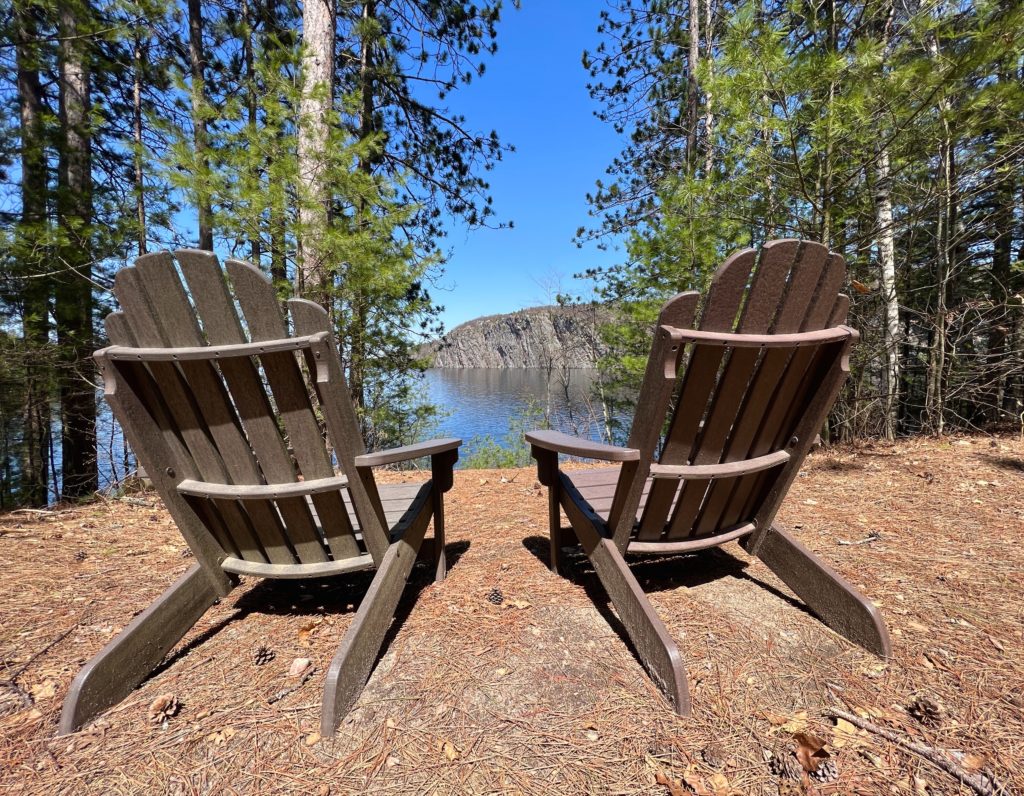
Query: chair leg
x,y
555,528
656,649
830,596
440,560
361,644
129,658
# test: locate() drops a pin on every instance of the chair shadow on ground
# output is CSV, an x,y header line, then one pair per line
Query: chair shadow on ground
x,y
1012,463
655,573
337,595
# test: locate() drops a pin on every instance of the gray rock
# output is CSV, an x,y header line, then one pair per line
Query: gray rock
x,y
538,337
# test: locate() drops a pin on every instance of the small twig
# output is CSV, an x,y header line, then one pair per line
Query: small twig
x,y
866,540
292,689
135,502
43,651
980,782
33,511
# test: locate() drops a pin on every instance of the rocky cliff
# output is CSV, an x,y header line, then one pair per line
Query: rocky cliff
x,y
533,338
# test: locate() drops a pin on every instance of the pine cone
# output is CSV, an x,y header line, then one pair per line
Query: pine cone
x,y
828,771
495,597
80,556
263,655
926,710
782,762
163,708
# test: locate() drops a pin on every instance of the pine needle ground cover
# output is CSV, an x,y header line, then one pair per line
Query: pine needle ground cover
x,y
506,679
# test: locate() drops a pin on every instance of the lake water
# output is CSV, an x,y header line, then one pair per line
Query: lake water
x,y
487,401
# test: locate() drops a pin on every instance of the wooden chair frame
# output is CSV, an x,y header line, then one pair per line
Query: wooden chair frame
x,y
744,409
199,416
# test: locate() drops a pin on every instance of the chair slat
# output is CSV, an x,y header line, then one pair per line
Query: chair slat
x,y
188,417
262,315
222,327
779,390
799,269
159,278
795,315
719,315
343,429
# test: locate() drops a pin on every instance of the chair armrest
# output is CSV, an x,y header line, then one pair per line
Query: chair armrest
x,y
557,442
408,452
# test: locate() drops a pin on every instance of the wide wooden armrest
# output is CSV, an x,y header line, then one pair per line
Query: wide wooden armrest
x,y
558,442
407,452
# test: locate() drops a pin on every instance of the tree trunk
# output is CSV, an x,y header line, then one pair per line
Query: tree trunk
x,y
314,111
887,263
255,247
357,337
691,86
1001,276
138,54
36,291
709,114
197,61
73,305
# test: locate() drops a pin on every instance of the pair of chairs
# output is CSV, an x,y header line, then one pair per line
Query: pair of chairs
x,y
227,410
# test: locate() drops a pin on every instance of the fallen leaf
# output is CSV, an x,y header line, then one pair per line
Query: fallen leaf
x,y
674,788
299,667
845,733
810,751
795,723
520,604
719,784
450,750
44,690
308,628
996,643
220,737
313,739
694,781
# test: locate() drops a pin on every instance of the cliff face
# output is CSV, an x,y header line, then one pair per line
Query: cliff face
x,y
534,338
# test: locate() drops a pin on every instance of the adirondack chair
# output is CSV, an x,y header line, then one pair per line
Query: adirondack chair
x,y
756,376
199,391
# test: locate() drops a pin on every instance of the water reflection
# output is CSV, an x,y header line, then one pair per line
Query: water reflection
x,y
483,401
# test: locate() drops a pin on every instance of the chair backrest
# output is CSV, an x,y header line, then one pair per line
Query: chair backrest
x,y
235,417
742,392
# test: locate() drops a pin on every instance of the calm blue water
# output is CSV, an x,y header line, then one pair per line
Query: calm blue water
x,y
486,401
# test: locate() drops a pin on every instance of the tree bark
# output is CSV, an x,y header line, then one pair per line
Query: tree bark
x,y
691,86
709,113
73,305
35,294
197,62
314,111
255,243
887,264
357,337
138,54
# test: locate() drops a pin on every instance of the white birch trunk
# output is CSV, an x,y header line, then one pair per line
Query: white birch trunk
x,y
887,263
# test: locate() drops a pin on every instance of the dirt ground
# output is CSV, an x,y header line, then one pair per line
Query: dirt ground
x,y
540,694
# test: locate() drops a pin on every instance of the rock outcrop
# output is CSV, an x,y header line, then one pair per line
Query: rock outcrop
x,y
538,337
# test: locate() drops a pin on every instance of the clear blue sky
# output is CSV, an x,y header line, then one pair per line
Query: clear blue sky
x,y
534,94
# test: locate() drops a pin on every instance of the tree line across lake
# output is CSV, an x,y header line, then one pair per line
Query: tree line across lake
x,y
316,140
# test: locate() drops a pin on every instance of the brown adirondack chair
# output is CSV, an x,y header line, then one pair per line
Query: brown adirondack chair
x,y
756,376
198,391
